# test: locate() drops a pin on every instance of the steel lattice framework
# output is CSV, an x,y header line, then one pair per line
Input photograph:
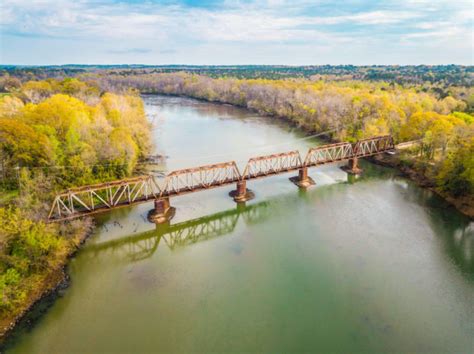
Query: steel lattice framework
x,y
321,155
263,166
373,146
103,196
100,197
328,153
198,178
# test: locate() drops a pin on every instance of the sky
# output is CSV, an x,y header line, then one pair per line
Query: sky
x,y
317,32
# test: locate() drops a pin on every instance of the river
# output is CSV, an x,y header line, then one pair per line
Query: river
x,y
369,264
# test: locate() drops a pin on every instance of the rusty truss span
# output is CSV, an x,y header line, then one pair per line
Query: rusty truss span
x,y
96,198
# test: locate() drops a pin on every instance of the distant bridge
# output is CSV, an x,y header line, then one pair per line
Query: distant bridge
x,y
87,200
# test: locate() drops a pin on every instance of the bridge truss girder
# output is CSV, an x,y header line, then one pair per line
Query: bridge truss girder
x,y
197,178
96,198
263,166
99,197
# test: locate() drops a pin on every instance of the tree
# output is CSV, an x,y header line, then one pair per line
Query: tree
x,y
456,174
10,106
22,145
36,91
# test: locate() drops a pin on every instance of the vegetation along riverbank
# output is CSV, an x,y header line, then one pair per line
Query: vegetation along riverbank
x,y
53,135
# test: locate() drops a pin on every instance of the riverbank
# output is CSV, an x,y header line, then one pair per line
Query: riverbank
x,y
464,204
46,284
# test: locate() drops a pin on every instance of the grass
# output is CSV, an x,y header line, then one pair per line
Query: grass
x,y
7,196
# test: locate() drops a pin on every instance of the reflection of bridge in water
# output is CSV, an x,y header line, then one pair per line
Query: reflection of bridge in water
x,y
182,234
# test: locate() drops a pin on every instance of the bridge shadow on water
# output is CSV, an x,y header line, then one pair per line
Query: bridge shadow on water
x,y
144,245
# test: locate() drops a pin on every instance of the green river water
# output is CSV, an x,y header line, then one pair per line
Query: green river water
x,y
370,265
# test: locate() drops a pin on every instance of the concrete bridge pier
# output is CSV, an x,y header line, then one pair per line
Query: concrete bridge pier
x,y
302,180
163,212
352,167
242,194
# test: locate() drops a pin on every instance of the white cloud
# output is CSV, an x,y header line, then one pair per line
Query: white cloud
x,y
119,25
79,19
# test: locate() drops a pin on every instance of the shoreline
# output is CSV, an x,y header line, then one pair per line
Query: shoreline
x,y
463,205
54,281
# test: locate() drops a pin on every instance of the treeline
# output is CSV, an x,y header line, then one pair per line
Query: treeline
x,y
446,75
53,135
349,110
442,81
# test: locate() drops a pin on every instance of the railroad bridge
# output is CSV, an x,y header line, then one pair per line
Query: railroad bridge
x,y
86,200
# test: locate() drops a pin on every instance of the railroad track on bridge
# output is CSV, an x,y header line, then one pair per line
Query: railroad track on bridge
x,y
87,200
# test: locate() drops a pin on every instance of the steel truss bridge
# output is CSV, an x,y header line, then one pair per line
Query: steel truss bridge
x,y
101,197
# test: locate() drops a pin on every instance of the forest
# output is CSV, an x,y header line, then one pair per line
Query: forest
x,y
53,135
441,77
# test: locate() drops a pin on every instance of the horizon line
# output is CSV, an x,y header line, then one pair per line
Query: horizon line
x,y
228,65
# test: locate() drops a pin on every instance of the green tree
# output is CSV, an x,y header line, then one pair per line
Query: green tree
x,y
456,174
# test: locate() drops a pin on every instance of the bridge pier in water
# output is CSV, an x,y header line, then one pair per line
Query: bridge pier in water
x,y
352,167
242,194
162,212
303,180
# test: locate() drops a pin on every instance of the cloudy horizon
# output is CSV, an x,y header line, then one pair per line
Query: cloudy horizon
x,y
359,32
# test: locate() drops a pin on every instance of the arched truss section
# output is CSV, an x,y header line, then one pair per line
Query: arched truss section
x,y
372,146
321,155
328,153
99,197
198,178
263,166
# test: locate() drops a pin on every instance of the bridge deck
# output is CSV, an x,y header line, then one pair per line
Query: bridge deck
x,y
97,198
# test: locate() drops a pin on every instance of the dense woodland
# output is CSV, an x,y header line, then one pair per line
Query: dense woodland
x,y
56,134
72,129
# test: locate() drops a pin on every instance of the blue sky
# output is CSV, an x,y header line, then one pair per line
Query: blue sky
x,y
236,32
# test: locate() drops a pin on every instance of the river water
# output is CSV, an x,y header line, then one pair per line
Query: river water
x,y
373,264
